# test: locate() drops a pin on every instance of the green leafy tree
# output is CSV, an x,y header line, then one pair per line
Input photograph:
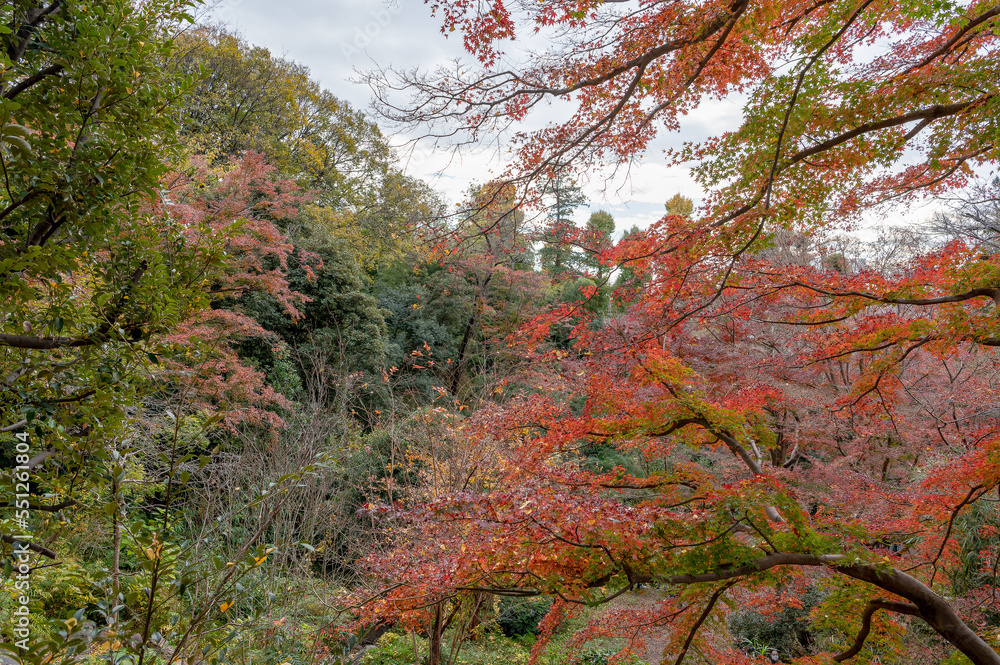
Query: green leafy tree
x,y
428,311
627,281
597,241
590,290
88,281
341,331
105,282
250,99
557,253
94,273
494,225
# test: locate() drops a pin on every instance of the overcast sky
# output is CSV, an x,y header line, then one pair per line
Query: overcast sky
x,y
334,38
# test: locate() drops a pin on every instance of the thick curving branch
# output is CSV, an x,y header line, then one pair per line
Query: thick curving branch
x,y
935,112
54,508
32,80
925,604
26,30
985,17
932,608
46,343
866,623
101,335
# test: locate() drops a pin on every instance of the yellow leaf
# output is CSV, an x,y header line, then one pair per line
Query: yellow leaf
x,y
225,606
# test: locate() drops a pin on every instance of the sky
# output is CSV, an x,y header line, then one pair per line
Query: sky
x,y
337,39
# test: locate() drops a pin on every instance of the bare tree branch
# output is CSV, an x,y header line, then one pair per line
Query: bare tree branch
x,y
44,551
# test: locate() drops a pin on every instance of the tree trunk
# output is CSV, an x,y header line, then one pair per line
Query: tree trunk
x,y
477,307
116,552
434,637
479,601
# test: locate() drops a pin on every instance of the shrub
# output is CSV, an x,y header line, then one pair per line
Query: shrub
x,y
604,656
392,649
519,617
788,631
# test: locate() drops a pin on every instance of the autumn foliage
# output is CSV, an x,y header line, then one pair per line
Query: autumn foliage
x,y
784,423
229,215
250,374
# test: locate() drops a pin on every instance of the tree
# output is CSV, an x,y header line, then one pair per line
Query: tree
x,y
557,254
645,69
236,208
770,479
103,278
975,219
493,223
679,205
457,308
141,437
88,282
598,240
246,98
822,140
85,138
253,100
116,369
338,339
590,290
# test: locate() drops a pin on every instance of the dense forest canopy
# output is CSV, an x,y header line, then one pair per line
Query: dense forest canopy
x,y
268,398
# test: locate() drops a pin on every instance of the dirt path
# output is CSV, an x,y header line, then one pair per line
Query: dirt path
x,y
656,643
655,638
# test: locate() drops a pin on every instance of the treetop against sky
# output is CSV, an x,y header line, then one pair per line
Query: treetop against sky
x,y
360,36
341,38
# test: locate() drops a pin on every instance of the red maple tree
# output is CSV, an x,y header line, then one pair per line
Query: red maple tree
x,y
786,421
227,217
